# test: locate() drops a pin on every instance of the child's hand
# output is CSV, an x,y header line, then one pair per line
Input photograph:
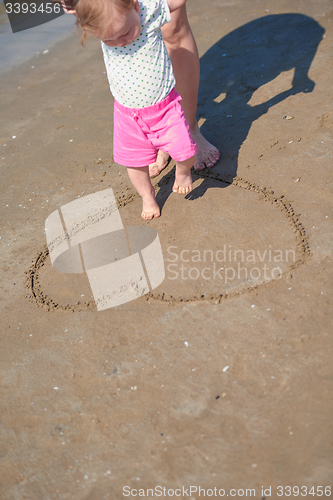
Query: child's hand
x,y
67,5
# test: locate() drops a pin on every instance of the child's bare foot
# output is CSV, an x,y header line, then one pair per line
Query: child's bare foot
x,y
182,189
207,154
183,178
140,179
150,208
161,162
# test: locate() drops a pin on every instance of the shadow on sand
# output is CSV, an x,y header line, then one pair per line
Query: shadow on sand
x,y
239,64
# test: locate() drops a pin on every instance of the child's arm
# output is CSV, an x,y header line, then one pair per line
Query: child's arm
x,y
175,4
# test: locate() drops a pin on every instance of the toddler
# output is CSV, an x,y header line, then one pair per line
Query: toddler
x,y
147,111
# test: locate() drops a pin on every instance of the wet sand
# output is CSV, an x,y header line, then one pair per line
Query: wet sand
x,y
19,47
212,379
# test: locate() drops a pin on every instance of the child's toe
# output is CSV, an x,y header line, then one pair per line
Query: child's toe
x,y
150,215
147,216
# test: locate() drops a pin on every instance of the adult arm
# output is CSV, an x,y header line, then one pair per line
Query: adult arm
x,y
175,4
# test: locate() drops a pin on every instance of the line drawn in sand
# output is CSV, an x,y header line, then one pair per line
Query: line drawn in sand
x,y
82,233
121,263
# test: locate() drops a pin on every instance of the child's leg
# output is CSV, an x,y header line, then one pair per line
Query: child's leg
x,y
139,177
183,178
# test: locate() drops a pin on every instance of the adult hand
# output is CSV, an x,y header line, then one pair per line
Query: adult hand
x,y
67,5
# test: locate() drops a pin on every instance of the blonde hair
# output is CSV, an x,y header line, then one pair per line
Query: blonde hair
x,y
93,15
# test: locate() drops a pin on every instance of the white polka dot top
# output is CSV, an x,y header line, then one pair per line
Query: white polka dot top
x,y
140,73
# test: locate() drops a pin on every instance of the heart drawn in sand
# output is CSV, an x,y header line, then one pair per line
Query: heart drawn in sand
x,y
40,298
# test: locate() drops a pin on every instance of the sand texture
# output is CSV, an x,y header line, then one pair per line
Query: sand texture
x,y
218,377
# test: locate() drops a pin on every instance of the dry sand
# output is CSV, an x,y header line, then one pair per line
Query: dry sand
x,y
140,395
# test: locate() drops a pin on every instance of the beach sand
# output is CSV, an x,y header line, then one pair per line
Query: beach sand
x,y
213,379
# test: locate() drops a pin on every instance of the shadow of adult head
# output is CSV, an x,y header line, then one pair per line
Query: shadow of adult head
x,y
241,62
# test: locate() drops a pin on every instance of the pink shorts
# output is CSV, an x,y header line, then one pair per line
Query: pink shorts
x,y
138,134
